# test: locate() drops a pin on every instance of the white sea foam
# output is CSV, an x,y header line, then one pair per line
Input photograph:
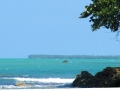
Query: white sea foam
x,y
41,83
20,87
32,87
43,80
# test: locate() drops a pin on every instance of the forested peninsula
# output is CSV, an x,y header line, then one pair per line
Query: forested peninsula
x,y
76,56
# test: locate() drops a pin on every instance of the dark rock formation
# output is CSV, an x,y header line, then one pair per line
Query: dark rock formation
x,y
109,77
83,80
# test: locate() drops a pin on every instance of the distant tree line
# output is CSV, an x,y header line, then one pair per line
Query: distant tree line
x,y
76,56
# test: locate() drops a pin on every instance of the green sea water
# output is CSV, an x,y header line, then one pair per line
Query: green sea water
x,y
49,71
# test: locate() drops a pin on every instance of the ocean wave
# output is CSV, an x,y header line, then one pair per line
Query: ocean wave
x,y
48,86
38,83
25,87
43,80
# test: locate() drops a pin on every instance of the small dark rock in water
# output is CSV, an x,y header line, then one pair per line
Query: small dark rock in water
x,y
109,77
65,61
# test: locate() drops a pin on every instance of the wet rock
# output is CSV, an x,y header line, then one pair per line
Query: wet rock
x,y
20,84
115,83
109,77
83,80
4,87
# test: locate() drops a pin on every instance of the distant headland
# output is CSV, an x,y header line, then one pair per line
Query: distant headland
x,y
76,56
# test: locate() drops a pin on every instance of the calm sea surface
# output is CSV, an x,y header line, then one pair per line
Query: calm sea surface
x,y
48,73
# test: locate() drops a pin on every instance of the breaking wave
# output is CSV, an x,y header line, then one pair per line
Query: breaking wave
x,y
43,80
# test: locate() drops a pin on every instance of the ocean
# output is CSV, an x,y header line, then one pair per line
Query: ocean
x,y
47,73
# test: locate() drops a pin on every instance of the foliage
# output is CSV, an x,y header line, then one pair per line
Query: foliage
x,y
103,13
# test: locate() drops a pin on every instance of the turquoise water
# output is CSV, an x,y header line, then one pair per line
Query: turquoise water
x,y
48,73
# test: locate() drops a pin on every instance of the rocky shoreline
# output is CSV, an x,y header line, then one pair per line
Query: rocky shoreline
x,y
108,77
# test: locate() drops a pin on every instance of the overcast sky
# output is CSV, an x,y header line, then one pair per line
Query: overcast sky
x,y
50,27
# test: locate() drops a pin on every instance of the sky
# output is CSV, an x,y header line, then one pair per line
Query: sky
x,y
51,27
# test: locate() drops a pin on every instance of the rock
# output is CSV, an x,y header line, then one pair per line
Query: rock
x,y
4,87
86,74
65,61
115,83
83,80
20,84
109,77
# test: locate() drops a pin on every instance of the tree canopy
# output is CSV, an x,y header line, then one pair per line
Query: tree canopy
x,y
103,13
